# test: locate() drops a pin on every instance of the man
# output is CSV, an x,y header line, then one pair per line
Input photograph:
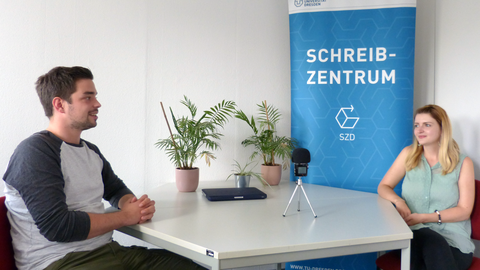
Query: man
x,y
55,182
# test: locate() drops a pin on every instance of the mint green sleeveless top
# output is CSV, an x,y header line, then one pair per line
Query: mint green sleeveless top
x,y
425,190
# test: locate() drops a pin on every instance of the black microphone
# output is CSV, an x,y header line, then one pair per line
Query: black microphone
x,y
300,155
301,158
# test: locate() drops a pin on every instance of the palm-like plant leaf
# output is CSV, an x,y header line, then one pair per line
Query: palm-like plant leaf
x,y
265,140
194,135
219,113
242,116
191,107
269,116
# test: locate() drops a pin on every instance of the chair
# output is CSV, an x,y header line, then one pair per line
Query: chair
x,y
391,260
6,249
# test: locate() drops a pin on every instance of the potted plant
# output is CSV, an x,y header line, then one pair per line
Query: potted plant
x,y
194,139
267,143
243,175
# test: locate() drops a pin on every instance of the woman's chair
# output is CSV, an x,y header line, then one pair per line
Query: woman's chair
x,y
391,260
6,249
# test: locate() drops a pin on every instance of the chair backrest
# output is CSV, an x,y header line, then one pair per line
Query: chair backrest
x,y
6,249
475,217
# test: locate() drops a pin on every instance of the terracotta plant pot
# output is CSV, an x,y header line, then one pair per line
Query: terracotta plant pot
x,y
187,180
272,174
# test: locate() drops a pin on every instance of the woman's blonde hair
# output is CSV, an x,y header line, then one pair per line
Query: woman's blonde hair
x,y
449,153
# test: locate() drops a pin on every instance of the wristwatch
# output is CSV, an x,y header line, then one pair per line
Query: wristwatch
x,y
439,222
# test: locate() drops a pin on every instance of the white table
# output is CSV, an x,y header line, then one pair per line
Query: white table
x,y
234,234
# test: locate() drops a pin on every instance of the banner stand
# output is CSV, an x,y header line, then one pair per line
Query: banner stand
x,y
352,95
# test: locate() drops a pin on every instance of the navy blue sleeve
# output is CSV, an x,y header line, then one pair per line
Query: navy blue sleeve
x,y
35,172
113,187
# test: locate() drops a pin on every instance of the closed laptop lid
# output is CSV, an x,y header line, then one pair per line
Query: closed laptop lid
x,y
229,194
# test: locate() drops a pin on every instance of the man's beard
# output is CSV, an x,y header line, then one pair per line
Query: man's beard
x,y
83,125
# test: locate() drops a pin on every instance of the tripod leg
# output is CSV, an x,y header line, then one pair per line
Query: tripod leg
x,y
288,205
304,193
298,208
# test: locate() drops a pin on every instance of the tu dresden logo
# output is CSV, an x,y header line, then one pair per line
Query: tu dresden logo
x,y
298,3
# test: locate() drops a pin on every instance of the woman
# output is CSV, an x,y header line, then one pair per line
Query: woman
x,y
438,193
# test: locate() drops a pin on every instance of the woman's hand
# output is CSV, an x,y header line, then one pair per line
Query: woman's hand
x,y
402,208
414,218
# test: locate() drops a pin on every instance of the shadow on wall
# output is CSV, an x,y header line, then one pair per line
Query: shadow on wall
x,y
467,135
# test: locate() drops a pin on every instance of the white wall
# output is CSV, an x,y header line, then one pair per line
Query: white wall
x,y
424,83
240,54
144,52
447,67
457,71
141,53
108,37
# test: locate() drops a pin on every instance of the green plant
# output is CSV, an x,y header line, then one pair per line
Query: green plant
x,y
195,138
265,140
239,170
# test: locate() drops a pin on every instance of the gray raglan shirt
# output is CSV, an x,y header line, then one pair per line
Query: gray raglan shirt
x,y
50,187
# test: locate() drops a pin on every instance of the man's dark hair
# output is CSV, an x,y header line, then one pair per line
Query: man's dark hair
x,y
59,82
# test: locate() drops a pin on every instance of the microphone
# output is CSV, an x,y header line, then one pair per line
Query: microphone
x,y
300,155
301,158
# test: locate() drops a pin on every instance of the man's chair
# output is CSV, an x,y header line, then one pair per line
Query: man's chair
x,y
7,261
391,260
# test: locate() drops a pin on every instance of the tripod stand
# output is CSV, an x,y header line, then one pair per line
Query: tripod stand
x,y
299,184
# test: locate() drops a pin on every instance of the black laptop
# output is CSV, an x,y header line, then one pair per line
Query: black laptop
x,y
232,194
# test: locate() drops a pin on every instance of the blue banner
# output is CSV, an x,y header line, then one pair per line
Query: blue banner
x,y
352,70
